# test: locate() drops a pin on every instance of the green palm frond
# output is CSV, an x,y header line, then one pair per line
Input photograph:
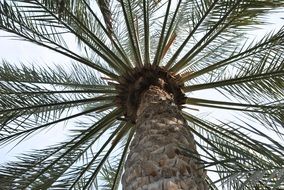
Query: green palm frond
x,y
241,161
46,32
35,98
42,168
196,45
265,50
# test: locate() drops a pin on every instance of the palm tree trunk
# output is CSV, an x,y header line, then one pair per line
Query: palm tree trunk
x,y
155,161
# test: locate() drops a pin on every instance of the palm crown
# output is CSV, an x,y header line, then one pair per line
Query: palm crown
x,y
124,46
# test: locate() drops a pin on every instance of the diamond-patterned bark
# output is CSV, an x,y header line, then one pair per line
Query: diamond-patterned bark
x,y
155,161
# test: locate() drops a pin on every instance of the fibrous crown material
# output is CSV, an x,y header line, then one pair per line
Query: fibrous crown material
x,y
134,82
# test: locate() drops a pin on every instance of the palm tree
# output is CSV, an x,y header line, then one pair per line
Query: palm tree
x,y
129,95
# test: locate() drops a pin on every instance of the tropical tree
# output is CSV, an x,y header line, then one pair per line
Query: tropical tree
x,y
129,95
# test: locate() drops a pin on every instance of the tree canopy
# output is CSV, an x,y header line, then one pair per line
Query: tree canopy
x,y
202,44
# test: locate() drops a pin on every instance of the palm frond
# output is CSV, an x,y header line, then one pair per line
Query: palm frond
x,y
105,9
242,162
38,171
273,108
35,98
36,30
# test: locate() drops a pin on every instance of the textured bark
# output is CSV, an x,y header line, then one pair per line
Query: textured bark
x,y
155,161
